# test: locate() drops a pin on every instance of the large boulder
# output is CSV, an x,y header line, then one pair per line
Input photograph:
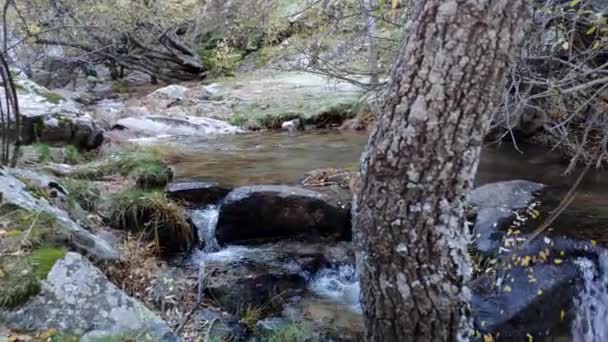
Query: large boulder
x,y
156,125
17,193
80,131
76,298
199,193
269,212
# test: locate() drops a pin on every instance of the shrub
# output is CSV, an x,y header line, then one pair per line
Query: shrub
x,y
151,213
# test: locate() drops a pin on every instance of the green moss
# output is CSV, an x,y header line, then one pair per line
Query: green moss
x,y
127,163
21,273
51,97
61,337
289,333
18,281
44,152
44,259
151,213
321,111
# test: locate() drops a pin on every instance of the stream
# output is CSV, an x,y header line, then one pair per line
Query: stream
x,y
333,292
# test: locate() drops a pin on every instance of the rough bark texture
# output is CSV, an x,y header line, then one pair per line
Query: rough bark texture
x,y
420,164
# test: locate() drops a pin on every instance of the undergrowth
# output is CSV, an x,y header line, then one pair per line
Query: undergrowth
x,y
152,213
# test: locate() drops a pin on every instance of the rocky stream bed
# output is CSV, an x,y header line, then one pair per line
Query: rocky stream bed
x,y
264,250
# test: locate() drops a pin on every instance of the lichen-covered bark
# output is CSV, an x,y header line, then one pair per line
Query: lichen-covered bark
x,y
420,164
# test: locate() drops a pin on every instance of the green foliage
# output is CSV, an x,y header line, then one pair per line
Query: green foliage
x,y
289,333
72,155
251,316
153,214
44,258
82,192
44,152
63,338
40,228
145,166
18,281
151,175
221,60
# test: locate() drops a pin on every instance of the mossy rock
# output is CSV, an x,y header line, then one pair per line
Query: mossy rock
x,y
154,215
21,275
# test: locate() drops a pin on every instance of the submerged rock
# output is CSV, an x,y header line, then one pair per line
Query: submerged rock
x,y
77,298
199,193
531,289
495,205
271,212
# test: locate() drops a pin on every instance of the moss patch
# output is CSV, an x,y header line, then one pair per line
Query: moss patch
x,y
28,252
146,167
44,259
321,111
151,213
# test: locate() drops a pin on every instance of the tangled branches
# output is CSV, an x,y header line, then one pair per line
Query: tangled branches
x,y
10,118
559,83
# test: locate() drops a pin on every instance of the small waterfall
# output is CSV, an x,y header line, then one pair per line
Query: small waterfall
x,y
339,284
592,303
205,221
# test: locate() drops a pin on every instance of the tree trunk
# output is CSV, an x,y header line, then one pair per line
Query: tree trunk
x,y
371,32
420,163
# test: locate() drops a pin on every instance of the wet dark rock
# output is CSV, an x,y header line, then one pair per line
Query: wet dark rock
x,y
519,306
271,212
199,193
495,205
531,288
239,278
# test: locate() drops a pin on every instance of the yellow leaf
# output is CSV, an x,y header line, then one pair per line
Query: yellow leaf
x,y
558,261
574,3
525,262
530,338
591,30
540,292
562,315
488,338
593,242
48,334
394,5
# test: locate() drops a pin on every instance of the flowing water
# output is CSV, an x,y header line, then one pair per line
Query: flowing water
x,y
205,221
590,324
281,158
